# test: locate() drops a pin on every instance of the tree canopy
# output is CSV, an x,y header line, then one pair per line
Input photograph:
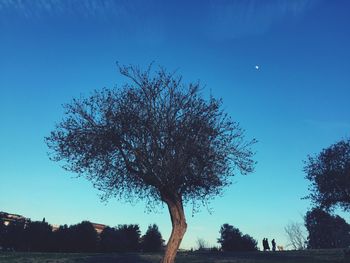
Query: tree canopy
x,y
326,230
232,239
152,241
123,238
154,138
329,174
38,236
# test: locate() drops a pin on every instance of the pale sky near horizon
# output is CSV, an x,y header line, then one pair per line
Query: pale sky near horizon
x,y
295,103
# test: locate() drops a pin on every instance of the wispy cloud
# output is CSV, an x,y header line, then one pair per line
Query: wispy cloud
x,y
85,8
126,16
233,19
218,19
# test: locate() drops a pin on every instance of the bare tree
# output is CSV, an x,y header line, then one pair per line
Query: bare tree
x,y
202,244
296,235
155,139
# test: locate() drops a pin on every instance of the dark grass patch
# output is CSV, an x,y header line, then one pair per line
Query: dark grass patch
x,y
307,256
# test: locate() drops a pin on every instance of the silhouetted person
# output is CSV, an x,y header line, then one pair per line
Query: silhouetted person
x,y
267,244
273,242
263,243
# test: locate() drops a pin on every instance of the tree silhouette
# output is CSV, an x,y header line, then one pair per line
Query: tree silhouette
x,y
83,237
129,238
2,232
124,238
296,236
38,236
108,240
329,173
326,230
14,236
155,139
232,239
202,244
61,240
152,241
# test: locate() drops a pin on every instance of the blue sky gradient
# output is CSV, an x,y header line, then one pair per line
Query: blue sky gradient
x,y
295,104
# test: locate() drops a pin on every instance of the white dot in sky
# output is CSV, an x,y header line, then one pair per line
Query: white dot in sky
x,y
257,67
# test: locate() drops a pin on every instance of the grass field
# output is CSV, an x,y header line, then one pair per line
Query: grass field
x,y
310,256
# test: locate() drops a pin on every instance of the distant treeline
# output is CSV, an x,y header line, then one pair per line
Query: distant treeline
x,y
39,236
324,231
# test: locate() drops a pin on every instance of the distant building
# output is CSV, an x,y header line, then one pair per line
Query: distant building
x,y
8,218
13,218
55,227
98,227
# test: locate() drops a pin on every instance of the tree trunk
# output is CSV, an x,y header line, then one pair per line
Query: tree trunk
x,y
179,225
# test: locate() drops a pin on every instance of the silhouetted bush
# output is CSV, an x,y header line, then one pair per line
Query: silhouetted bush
x,y
152,241
214,249
326,230
231,239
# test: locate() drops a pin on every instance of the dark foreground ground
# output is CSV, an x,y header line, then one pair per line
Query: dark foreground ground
x,y
310,256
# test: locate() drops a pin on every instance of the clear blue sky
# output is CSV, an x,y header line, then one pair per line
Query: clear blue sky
x,y
296,103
